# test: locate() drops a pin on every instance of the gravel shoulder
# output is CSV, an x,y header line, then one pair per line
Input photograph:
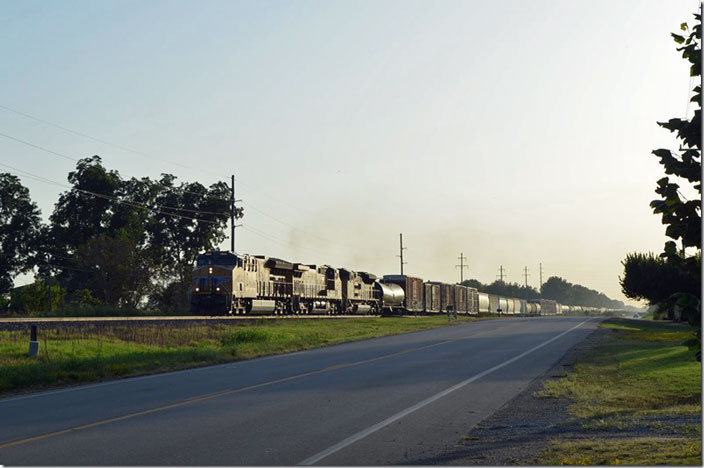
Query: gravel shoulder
x,y
523,428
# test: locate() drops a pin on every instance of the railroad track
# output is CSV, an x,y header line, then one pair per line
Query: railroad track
x,y
19,323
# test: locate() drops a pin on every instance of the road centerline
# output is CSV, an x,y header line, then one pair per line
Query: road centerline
x,y
219,393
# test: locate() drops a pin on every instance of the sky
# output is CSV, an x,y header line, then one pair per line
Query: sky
x,y
516,133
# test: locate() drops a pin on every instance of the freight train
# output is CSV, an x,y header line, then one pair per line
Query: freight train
x,y
225,283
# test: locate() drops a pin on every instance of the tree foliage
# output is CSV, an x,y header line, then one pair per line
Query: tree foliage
x,y
554,288
672,281
652,278
123,239
564,292
681,216
19,229
119,273
38,296
503,288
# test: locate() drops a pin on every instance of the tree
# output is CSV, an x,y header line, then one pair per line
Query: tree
x,y
683,217
502,288
19,229
119,274
564,292
674,280
37,297
472,283
555,288
81,213
158,223
654,279
191,219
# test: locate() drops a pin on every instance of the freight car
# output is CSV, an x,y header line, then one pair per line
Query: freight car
x,y
229,283
412,290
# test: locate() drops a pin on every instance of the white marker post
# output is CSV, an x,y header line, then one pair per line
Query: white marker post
x,y
33,343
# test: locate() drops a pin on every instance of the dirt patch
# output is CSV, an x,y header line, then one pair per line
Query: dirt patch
x,y
520,430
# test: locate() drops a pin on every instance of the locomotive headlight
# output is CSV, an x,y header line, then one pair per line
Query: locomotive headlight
x,y
210,270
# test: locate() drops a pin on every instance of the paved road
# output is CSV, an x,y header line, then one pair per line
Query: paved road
x,y
383,401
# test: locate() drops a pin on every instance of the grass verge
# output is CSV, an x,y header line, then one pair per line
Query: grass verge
x,y
70,356
637,451
639,380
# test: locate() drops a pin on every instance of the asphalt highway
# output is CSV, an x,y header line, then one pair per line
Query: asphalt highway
x,y
382,401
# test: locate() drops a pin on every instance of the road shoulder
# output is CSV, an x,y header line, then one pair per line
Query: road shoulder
x,y
523,429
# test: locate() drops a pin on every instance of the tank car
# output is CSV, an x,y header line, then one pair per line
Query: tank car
x,y
391,297
412,290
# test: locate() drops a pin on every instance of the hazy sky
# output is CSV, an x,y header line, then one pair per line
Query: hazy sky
x,y
515,132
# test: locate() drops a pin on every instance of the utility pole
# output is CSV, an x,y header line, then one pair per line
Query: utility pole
x,y
232,216
461,266
233,211
541,276
525,272
501,273
401,250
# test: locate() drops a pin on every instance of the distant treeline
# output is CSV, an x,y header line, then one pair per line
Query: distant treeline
x,y
554,288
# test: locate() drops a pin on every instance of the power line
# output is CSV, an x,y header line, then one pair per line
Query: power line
x,y
105,142
48,263
159,209
39,147
98,140
284,223
131,150
250,228
171,188
47,150
43,179
116,199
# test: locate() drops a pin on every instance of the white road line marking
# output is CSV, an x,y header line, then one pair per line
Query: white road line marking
x,y
370,430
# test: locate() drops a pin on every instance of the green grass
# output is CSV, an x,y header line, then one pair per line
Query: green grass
x,y
70,356
642,369
640,451
638,377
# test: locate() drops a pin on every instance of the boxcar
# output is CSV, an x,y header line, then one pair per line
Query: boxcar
x,y
447,297
431,297
548,307
461,299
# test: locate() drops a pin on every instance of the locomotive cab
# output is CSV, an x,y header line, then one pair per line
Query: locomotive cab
x,y
211,292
